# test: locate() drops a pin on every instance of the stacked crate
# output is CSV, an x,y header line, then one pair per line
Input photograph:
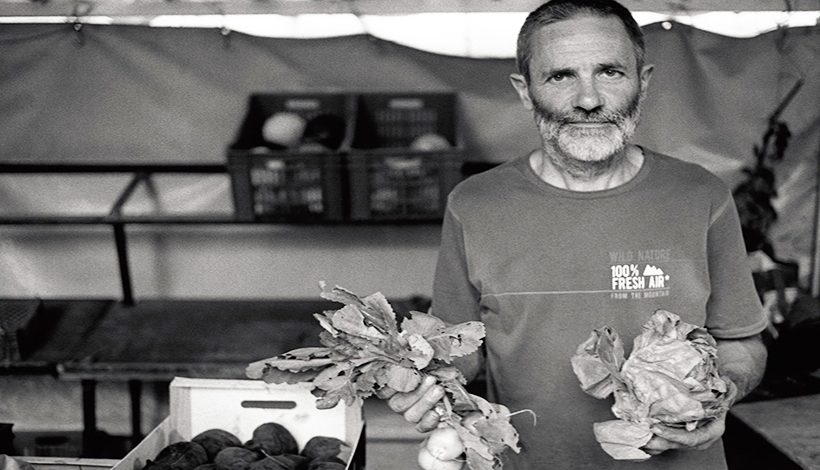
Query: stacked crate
x,y
405,156
400,157
294,184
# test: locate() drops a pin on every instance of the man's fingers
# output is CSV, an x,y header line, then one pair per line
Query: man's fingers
x,y
428,422
385,392
426,403
666,438
657,444
415,404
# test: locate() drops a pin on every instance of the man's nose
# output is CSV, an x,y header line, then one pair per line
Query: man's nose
x,y
587,96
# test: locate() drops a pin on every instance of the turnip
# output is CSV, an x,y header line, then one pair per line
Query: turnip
x,y
428,462
444,443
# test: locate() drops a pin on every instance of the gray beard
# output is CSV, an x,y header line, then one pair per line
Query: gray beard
x,y
587,153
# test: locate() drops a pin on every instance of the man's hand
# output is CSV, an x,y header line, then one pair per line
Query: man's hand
x,y
667,438
701,438
417,406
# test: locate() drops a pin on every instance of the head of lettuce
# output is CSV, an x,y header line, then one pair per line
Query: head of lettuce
x,y
670,377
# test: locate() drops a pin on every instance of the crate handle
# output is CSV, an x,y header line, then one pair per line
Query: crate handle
x,y
403,164
269,404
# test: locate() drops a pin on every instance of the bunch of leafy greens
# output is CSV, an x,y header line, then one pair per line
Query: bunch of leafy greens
x,y
671,377
365,351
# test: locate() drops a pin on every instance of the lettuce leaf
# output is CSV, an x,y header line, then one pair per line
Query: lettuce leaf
x,y
671,377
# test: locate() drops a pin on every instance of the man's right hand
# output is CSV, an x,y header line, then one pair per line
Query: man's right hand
x,y
417,406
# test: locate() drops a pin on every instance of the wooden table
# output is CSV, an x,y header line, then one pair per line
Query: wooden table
x,y
791,425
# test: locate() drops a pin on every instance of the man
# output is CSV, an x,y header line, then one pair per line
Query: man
x,y
589,230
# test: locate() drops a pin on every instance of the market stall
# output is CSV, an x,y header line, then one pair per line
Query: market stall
x,y
152,227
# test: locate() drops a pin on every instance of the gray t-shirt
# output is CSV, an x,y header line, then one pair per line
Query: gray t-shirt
x,y
543,266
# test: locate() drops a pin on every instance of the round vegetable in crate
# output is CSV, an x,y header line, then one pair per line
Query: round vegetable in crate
x,y
284,129
430,142
326,130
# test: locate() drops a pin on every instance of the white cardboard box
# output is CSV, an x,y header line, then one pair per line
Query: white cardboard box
x,y
239,406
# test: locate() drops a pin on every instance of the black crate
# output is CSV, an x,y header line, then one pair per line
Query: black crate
x,y
271,183
403,186
389,177
395,120
287,187
307,105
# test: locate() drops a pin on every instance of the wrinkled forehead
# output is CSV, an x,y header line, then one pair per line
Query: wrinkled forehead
x,y
582,39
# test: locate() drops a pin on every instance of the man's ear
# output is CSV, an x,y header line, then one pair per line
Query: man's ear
x,y
646,75
522,88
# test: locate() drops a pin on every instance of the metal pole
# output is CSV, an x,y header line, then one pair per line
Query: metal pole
x,y
122,260
90,444
815,258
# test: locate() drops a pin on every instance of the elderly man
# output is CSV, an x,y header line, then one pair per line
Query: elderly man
x,y
535,247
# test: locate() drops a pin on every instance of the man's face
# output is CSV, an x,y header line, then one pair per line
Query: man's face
x,y
585,90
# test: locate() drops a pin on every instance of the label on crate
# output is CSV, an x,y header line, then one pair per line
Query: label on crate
x,y
406,103
303,104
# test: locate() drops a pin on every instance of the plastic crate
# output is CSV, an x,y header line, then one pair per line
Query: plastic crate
x,y
402,186
389,178
395,120
287,187
239,406
273,183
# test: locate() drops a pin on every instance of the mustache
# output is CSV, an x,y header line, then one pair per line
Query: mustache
x,y
596,116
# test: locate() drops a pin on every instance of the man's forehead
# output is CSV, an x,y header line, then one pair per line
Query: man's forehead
x,y
583,37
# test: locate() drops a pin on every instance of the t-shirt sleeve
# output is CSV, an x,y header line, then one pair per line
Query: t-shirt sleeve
x,y
733,309
455,298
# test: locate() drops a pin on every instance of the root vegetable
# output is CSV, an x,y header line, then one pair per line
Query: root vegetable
x,y
428,462
444,444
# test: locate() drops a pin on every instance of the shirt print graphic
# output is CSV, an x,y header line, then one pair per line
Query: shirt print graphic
x,y
639,274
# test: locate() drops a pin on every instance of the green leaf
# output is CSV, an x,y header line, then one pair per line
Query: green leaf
x,y
350,320
465,338
309,352
340,294
499,432
476,461
447,374
423,324
402,379
276,376
462,400
296,365
326,322
421,353
473,442
379,306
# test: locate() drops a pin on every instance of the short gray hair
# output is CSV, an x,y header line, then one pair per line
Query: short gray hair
x,y
557,10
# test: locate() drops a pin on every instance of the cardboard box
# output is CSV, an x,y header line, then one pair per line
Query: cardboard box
x,y
67,463
239,406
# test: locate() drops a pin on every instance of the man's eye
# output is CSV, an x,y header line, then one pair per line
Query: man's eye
x,y
611,73
558,77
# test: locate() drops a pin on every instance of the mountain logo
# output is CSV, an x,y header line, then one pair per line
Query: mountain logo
x,y
650,270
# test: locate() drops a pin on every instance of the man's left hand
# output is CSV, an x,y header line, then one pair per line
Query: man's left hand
x,y
667,438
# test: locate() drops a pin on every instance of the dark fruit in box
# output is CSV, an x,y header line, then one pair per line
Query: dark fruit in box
x,y
214,440
268,463
235,458
330,463
298,462
323,446
184,455
207,466
273,439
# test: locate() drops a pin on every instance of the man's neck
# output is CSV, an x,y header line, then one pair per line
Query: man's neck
x,y
623,169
